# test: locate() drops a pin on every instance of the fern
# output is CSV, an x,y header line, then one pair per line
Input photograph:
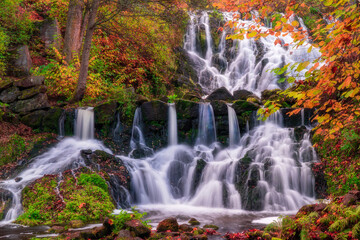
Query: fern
x,y
304,234
356,231
338,226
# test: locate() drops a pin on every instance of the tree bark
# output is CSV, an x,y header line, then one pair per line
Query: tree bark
x,y
84,67
73,37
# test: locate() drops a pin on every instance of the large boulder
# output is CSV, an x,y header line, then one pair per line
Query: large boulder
x,y
168,224
28,93
200,166
34,119
23,62
186,109
40,101
50,33
220,94
299,119
241,106
242,94
105,116
9,95
30,81
155,111
138,228
220,108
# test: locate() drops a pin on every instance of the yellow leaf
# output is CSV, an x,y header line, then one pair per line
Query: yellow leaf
x,y
295,23
310,48
251,34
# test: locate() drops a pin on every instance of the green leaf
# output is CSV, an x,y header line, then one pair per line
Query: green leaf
x,y
328,2
302,66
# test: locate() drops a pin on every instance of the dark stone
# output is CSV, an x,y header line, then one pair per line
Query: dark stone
x,y
140,153
23,62
51,119
105,113
9,95
175,175
28,93
168,224
139,229
194,222
18,179
211,226
220,94
140,100
34,119
219,63
40,101
6,198
86,152
50,33
351,198
124,234
242,94
241,107
30,81
155,111
200,166
185,228
295,119
186,109
57,229
5,83
299,133
220,108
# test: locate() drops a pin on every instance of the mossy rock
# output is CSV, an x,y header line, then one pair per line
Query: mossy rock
x,y
220,108
5,83
200,166
186,109
50,121
105,113
30,92
211,226
155,111
242,106
194,222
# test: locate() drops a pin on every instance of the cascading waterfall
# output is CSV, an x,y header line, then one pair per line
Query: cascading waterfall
x,y
137,137
234,130
85,124
61,125
246,64
172,125
65,155
276,172
206,130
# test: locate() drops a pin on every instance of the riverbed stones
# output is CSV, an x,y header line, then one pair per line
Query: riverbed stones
x,y
6,198
168,224
139,229
194,222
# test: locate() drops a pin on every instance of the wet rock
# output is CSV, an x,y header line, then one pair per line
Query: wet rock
x,y
5,83
140,153
175,174
34,119
241,107
185,228
318,170
219,63
6,198
154,111
295,120
351,198
23,62
220,94
220,108
57,229
30,81
76,224
242,94
50,33
28,93
105,117
18,179
50,121
139,229
194,222
10,95
140,100
186,109
40,101
168,224
200,166
211,226
299,133
185,70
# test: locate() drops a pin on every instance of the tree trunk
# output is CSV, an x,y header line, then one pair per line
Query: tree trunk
x,y
81,84
73,37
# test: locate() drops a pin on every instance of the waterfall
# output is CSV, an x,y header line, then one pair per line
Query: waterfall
x,y
234,130
61,125
206,130
137,137
172,125
65,155
240,64
84,123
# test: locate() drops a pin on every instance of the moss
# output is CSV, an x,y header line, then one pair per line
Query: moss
x,y
87,200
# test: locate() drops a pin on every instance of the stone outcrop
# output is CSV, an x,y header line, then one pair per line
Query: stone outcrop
x,y
50,33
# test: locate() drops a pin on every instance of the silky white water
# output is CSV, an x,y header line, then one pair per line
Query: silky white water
x,y
241,64
172,125
65,155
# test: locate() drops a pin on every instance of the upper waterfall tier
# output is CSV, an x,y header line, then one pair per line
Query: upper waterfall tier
x,y
239,64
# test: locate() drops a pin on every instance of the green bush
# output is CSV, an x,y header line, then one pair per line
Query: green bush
x,y
120,219
13,149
